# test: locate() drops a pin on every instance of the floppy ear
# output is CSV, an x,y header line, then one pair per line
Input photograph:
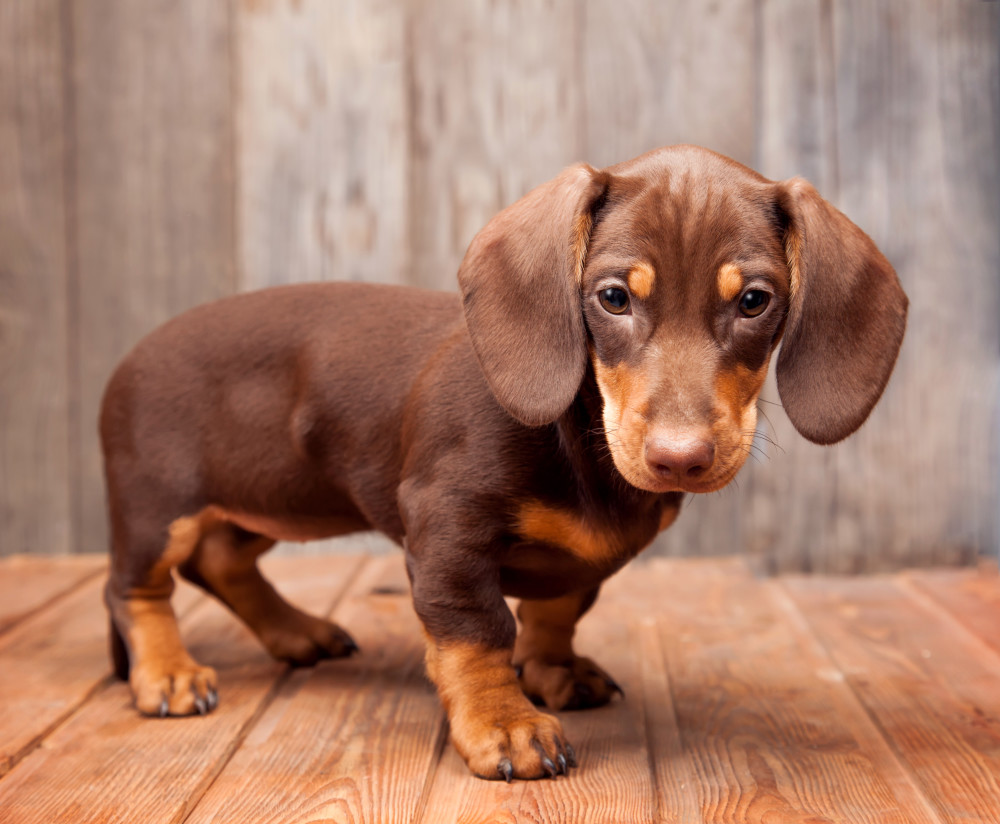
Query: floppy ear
x,y
845,321
520,283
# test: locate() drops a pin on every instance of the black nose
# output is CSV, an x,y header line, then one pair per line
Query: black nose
x,y
679,457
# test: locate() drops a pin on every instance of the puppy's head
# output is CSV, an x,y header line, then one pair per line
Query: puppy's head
x,y
675,275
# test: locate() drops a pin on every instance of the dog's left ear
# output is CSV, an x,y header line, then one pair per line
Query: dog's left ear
x,y
520,282
845,321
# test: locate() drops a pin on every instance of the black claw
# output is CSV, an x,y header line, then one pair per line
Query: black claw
x,y
201,705
164,707
613,686
563,766
550,767
350,646
570,756
213,699
506,769
518,670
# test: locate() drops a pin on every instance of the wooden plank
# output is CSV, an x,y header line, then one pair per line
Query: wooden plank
x,y
323,141
28,583
796,123
52,662
787,487
771,729
153,209
612,782
107,762
917,161
971,596
655,74
930,686
495,99
653,66
35,509
349,740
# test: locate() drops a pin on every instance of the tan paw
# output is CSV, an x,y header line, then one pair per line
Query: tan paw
x,y
180,687
526,744
574,685
306,640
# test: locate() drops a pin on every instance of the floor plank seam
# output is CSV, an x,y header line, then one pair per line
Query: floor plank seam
x,y
363,561
280,681
199,792
440,742
659,794
51,602
934,813
929,603
17,758
691,768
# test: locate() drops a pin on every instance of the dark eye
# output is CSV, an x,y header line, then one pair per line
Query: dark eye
x,y
753,303
614,300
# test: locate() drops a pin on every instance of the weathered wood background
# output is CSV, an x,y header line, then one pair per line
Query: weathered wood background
x,y
154,155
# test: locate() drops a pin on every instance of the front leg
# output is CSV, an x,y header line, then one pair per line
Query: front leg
x,y
550,672
470,633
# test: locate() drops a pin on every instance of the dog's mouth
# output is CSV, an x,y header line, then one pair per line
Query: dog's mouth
x,y
649,482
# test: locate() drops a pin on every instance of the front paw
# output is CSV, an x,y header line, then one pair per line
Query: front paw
x,y
573,685
520,742
177,686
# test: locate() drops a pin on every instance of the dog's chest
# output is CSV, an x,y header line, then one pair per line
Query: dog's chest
x,y
563,547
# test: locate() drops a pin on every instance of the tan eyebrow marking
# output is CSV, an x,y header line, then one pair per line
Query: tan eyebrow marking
x,y
730,281
641,279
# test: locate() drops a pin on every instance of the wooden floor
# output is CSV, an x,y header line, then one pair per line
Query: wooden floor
x,y
791,700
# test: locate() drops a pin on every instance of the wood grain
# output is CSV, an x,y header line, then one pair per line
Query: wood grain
x,y
108,763
657,74
350,740
29,583
771,730
156,156
35,359
910,156
153,209
494,95
748,700
53,661
971,596
322,154
931,690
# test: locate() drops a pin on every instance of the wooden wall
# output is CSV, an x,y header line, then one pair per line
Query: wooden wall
x,y
154,155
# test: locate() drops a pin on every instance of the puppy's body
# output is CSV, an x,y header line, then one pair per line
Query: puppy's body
x,y
614,332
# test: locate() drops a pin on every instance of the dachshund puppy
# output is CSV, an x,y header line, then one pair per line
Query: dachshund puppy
x,y
526,438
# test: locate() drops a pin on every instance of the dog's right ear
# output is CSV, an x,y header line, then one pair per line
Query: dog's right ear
x,y
520,283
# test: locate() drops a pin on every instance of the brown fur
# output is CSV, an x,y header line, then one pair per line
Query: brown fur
x,y
517,441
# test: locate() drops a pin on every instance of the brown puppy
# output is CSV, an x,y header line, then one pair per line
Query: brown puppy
x,y
616,331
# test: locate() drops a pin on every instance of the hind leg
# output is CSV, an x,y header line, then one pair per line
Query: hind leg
x,y
224,563
146,644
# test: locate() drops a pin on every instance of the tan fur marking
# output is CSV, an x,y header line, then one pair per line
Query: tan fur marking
x,y
730,281
163,673
738,388
490,718
668,516
621,389
793,255
641,279
537,522
584,223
